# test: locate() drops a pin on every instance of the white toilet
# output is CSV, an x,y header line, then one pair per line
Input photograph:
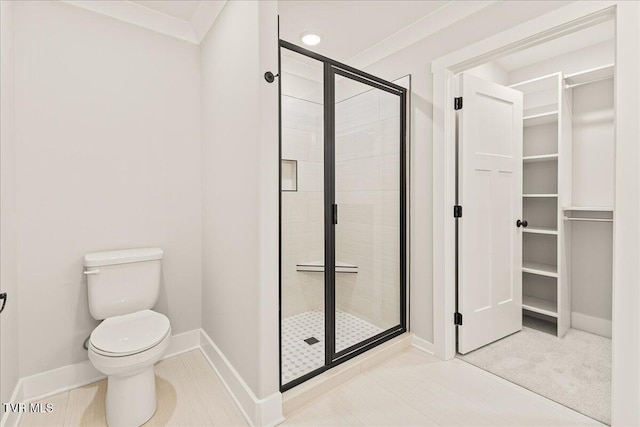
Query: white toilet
x,y
123,286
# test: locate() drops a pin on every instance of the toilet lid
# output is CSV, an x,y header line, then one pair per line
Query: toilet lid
x,y
130,333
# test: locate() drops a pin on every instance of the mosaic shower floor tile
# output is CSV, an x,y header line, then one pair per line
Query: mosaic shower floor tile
x,y
301,354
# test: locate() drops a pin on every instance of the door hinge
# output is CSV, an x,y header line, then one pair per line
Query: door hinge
x,y
457,319
335,214
3,298
457,103
457,211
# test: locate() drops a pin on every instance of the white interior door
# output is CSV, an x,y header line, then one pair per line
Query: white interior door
x,y
490,192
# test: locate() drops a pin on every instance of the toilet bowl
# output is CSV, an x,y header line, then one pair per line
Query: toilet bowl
x,y
122,288
125,348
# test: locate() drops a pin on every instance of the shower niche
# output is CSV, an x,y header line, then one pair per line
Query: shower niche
x,y
342,230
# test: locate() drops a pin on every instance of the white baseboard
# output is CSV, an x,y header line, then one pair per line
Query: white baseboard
x,y
182,343
592,324
422,344
45,384
258,412
58,380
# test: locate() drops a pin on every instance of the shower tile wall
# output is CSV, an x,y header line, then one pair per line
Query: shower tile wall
x,y
367,193
302,210
367,135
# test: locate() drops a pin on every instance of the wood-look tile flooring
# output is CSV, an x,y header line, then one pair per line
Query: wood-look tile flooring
x,y
416,389
189,394
410,389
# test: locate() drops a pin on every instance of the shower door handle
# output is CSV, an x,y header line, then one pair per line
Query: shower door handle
x,y
335,213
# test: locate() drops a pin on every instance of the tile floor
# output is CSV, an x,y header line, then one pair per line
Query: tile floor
x,y
416,389
299,358
411,388
189,394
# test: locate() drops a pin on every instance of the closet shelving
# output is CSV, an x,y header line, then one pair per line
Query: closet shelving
x,y
548,193
539,269
540,119
540,158
539,305
540,230
589,208
588,213
544,112
589,76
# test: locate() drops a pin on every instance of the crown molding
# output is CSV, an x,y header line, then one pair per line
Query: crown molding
x,y
194,30
205,16
136,14
439,19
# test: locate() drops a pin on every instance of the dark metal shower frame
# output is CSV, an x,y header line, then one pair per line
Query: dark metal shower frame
x,y
331,68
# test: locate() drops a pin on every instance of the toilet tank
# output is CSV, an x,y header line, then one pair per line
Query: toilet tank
x,y
122,282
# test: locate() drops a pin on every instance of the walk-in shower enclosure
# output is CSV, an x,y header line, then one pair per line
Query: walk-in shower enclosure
x,y
342,212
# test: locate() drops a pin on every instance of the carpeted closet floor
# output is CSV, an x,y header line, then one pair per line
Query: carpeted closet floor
x,y
574,371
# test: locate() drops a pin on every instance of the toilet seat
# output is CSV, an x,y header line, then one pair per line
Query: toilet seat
x,y
129,334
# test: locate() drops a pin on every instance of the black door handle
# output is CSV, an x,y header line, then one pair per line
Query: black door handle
x,y
3,298
522,223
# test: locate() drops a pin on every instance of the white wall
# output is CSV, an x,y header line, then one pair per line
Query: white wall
x,y
491,72
593,148
9,355
240,191
107,151
416,60
593,173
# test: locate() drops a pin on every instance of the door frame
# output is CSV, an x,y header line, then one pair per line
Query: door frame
x,y
331,68
626,271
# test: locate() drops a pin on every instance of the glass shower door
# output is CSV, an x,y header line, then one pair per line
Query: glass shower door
x,y
367,209
342,210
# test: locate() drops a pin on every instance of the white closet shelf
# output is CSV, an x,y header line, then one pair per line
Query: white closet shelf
x,y
587,219
540,158
539,84
589,208
539,305
539,269
540,230
540,119
588,76
539,195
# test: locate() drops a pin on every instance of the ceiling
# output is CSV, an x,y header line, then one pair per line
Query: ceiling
x,y
183,9
361,31
581,39
349,27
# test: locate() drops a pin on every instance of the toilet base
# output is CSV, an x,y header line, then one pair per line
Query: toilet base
x,y
131,400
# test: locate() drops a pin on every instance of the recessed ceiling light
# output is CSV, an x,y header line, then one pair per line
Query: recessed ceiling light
x,y
311,38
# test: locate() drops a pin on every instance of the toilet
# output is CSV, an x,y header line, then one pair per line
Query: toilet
x,y
123,287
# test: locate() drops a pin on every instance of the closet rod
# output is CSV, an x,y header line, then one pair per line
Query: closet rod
x,y
589,219
572,85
